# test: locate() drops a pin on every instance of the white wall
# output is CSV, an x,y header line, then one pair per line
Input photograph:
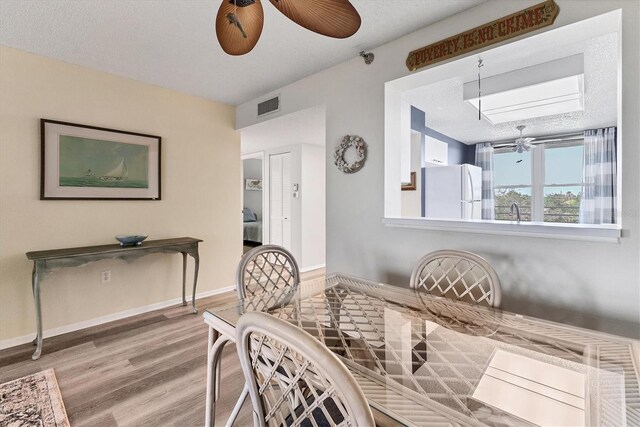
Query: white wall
x,y
595,285
313,195
299,127
200,194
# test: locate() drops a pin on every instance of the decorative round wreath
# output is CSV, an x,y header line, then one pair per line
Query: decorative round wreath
x,y
361,153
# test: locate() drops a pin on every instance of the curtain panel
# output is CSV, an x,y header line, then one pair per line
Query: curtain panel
x,y
599,173
484,159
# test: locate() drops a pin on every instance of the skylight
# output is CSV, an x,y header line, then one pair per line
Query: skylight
x,y
547,89
546,99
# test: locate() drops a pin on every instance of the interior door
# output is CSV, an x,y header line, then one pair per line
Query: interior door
x,y
280,199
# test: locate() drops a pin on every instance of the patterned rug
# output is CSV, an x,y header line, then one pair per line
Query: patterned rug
x,y
33,400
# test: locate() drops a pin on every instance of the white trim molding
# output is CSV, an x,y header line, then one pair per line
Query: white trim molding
x,y
12,342
312,267
594,233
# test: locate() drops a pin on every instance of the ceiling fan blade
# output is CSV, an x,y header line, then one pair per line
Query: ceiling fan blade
x,y
238,27
332,18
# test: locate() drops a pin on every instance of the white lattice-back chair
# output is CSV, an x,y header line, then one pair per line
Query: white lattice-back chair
x,y
266,270
293,379
265,277
458,275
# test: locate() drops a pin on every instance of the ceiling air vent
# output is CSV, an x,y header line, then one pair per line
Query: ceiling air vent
x,y
269,106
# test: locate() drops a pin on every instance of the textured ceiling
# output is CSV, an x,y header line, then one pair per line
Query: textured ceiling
x,y
171,43
448,113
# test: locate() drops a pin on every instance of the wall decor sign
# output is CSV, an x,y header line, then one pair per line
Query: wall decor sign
x,y
357,147
253,184
522,22
88,162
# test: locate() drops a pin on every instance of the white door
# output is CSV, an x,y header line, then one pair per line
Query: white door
x,y
280,199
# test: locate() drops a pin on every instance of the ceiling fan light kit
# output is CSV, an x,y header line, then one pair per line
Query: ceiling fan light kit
x,y
239,22
522,144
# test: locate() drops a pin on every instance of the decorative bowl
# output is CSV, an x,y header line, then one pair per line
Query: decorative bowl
x,y
130,240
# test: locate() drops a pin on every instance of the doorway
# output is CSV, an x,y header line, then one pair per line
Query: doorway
x,y
252,201
293,147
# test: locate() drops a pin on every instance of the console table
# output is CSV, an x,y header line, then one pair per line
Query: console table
x,y
48,261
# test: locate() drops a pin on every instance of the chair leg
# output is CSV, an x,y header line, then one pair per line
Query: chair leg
x,y
213,379
239,403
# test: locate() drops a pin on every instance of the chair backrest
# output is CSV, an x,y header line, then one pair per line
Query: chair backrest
x,y
266,269
294,379
457,275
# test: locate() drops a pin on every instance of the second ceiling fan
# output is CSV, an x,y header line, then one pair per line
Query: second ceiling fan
x,y
239,22
522,144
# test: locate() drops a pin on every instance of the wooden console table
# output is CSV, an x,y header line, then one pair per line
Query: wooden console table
x,y
48,261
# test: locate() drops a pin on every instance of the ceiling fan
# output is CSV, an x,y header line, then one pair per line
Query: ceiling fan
x,y
239,22
522,144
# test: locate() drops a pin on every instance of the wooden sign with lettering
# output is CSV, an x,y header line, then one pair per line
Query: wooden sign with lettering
x,y
532,18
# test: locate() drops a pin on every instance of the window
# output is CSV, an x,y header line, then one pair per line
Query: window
x,y
512,184
545,182
562,183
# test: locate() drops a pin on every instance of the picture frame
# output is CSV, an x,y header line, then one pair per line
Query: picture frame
x,y
409,186
94,163
251,184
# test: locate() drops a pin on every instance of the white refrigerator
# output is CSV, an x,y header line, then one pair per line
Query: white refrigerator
x,y
453,192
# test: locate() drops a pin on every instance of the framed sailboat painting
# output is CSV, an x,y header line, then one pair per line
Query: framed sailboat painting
x,y
88,162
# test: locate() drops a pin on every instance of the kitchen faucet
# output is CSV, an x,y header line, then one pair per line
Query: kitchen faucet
x,y
514,206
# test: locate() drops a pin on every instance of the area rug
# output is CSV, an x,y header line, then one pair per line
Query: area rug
x,y
33,400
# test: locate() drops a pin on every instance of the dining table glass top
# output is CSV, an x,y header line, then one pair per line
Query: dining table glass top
x,y
421,359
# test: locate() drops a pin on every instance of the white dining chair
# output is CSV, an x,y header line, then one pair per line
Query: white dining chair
x,y
293,379
266,269
263,276
458,275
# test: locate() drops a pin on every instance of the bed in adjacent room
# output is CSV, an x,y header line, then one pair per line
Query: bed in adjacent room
x,y
252,226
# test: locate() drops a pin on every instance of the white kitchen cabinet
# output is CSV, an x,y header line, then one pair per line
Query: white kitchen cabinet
x,y
436,152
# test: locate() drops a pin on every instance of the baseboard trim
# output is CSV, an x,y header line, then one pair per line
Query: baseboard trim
x,y
313,267
13,342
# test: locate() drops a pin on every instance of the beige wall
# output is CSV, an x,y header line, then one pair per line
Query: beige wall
x,y
200,175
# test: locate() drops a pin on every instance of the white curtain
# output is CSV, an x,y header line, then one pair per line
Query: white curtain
x,y
484,159
599,174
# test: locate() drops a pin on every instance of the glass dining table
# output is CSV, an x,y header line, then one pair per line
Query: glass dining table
x,y
424,360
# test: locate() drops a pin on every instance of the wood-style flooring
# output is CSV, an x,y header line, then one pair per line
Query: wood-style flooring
x,y
247,246
146,370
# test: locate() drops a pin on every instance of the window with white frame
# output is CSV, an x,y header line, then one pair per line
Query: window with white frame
x,y
545,182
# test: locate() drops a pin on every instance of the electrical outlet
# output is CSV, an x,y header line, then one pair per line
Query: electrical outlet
x,y
106,276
